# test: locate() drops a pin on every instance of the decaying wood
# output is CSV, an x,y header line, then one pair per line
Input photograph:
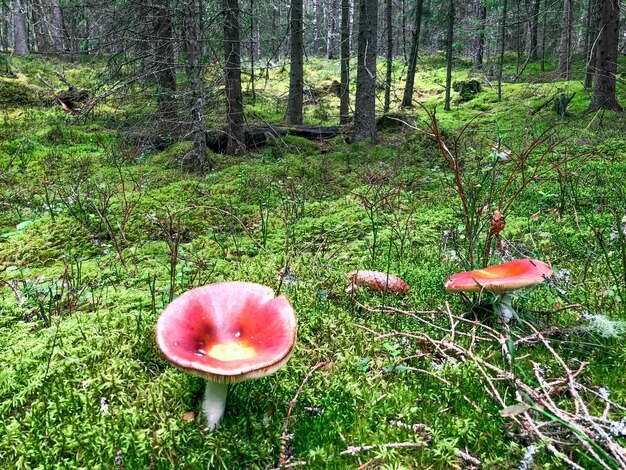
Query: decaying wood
x,y
260,136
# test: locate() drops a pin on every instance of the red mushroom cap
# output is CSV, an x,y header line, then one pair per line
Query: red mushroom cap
x,y
228,332
500,278
378,281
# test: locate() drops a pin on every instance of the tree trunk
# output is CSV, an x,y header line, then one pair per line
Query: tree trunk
x,y
590,42
407,98
534,29
296,74
234,97
315,25
565,49
388,75
164,63
449,39
479,37
502,44
56,26
40,26
192,47
365,103
344,87
606,66
20,39
330,29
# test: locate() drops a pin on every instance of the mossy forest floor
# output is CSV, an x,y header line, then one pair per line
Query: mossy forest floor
x,y
97,233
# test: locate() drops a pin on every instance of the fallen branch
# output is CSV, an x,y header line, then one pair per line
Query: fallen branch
x,y
282,463
353,450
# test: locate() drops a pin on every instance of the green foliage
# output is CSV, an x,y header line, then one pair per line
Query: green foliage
x,y
96,238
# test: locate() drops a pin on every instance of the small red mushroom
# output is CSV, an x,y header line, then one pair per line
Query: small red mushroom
x,y
227,332
377,281
501,279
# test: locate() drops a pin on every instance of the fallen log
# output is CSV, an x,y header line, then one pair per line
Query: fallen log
x,y
259,136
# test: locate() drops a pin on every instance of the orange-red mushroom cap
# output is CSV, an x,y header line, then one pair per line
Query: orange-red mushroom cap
x,y
228,332
500,278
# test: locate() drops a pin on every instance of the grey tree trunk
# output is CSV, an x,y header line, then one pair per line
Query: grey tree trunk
x,y
388,75
407,98
20,39
502,41
330,29
479,37
534,29
56,26
449,39
591,47
606,66
164,64
296,73
192,46
565,49
232,69
344,87
365,102
40,26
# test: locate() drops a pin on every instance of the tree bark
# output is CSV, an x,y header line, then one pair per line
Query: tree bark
x,y
534,29
479,37
502,44
20,39
407,98
234,96
330,29
450,38
388,74
365,102
56,26
192,46
344,87
565,49
591,46
606,67
164,63
296,74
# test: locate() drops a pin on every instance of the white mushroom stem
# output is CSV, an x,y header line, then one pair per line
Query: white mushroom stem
x,y
504,309
214,403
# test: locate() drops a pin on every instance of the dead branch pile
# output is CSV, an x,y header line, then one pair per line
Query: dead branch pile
x,y
552,408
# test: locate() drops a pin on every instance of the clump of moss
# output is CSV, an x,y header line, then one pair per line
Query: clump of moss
x,y
16,93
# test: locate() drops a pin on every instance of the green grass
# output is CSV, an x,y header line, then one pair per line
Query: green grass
x,y
82,384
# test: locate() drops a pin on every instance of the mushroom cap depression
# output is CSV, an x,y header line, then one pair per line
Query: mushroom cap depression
x,y
228,332
500,278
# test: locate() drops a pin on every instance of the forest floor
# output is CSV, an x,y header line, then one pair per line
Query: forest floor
x,y
99,231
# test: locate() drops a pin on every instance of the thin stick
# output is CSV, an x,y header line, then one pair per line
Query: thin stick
x,y
292,404
353,450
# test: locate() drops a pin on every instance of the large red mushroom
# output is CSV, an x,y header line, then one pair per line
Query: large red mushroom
x,y
501,280
227,332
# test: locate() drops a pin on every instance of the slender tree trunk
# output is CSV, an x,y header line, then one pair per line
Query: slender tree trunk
x,y
330,29
591,46
20,39
534,29
315,25
344,87
40,26
479,38
234,96
192,47
606,67
565,49
543,37
296,74
449,39
164,64
388,75
407,98
502,45
365,103
253,49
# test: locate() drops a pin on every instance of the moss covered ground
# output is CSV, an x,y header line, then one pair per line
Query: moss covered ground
x,y
97,235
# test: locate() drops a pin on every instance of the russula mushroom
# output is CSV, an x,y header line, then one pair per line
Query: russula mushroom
x,y
227,332
501,280
377,281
